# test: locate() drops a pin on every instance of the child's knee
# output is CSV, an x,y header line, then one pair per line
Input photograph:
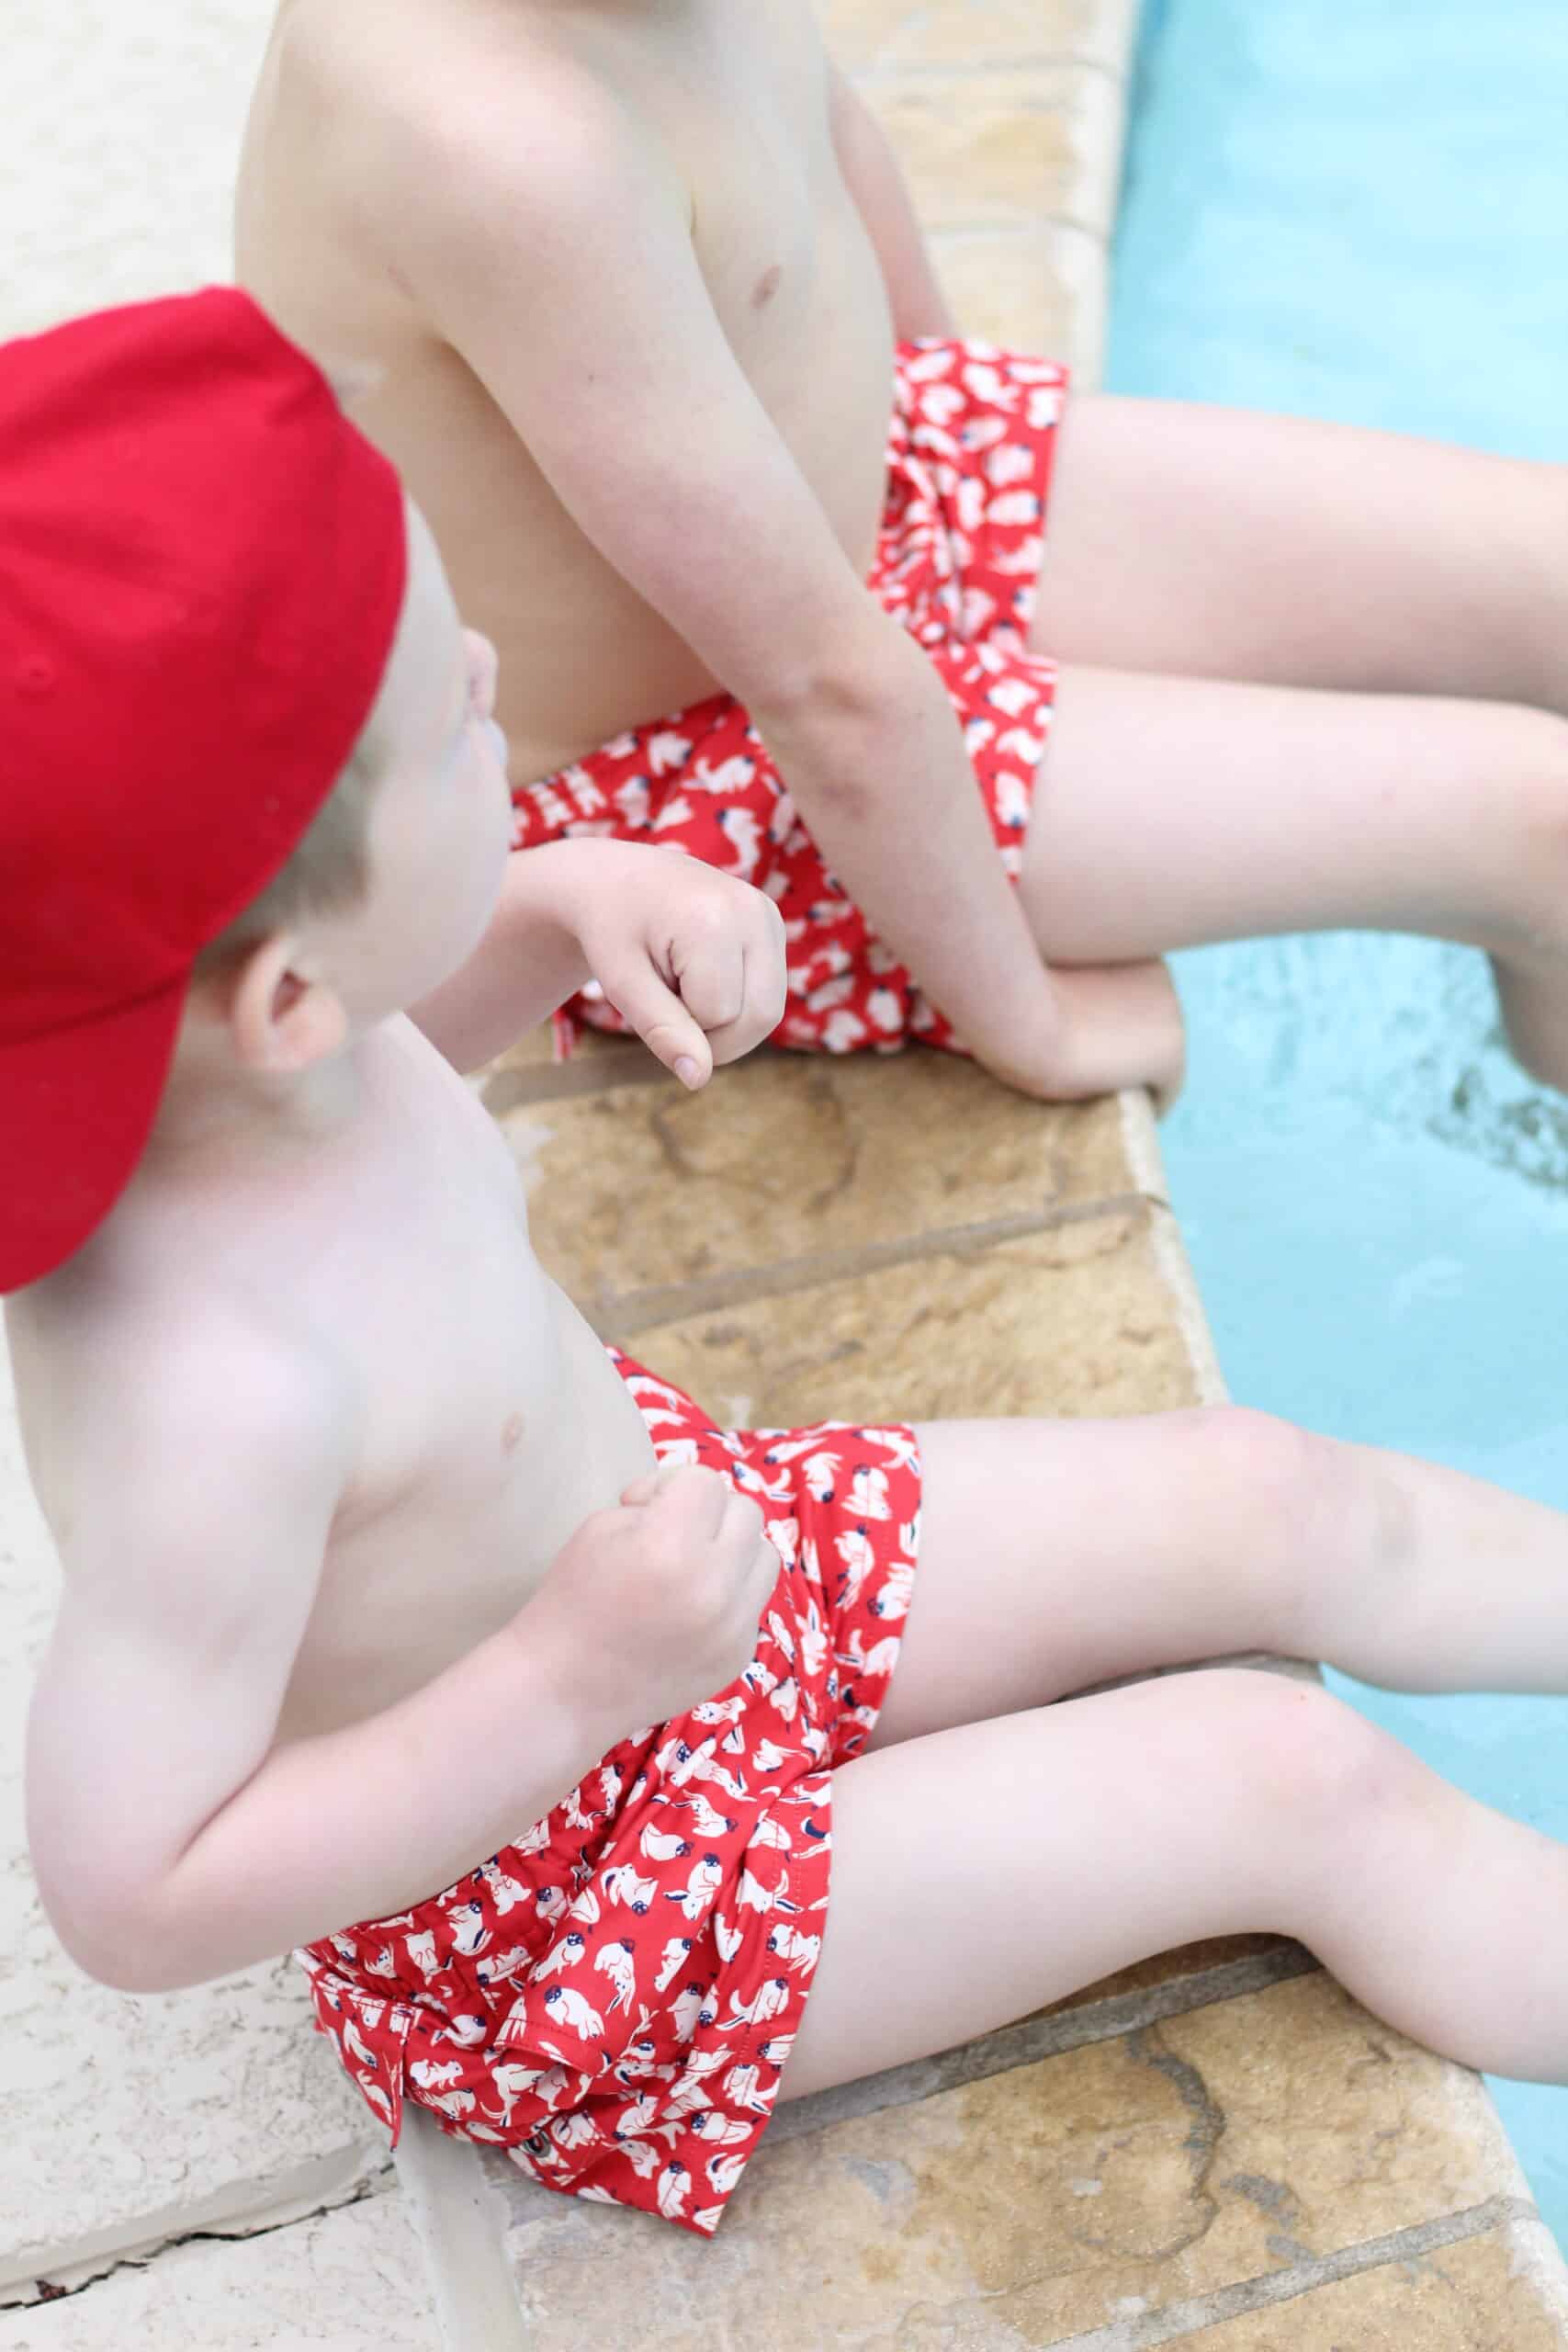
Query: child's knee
x,y
1289,1491
1272,1461
1305,1761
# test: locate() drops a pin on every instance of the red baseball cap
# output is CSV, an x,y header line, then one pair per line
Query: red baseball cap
x,y
202,566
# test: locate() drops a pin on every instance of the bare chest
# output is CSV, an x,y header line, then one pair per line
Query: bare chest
x,y
493,1423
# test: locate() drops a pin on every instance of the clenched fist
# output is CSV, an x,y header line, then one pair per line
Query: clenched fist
x,y
655,1605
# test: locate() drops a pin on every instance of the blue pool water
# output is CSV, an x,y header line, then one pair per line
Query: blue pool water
x,y
1362,213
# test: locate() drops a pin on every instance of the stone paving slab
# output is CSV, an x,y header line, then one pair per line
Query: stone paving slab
x,y
878,39
1072,1319
784,1164
347,2282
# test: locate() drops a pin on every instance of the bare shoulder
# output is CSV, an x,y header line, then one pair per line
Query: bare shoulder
x,y
143,1426
487,102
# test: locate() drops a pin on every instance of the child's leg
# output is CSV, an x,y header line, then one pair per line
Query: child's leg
x,y
1058,1553
1174,811
1221,543
980,1872
1214,545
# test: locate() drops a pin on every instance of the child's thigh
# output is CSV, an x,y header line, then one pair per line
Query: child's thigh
x,y
982,1871
1225,543
1174,812
1054,1555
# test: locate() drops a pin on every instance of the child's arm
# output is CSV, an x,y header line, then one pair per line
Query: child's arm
x,y
693,958
173,1842
557,258
875,180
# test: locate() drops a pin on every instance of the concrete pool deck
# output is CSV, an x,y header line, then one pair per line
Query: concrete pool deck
x,y
1217,2147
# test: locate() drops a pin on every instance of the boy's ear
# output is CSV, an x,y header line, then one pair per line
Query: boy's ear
x,y
282,1020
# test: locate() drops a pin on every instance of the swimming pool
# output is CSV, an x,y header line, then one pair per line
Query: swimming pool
x,y
1363,214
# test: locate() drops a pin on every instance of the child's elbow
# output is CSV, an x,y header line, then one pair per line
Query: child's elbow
x,y
122,1945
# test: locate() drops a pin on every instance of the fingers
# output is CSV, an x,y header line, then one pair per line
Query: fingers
x,y
701,1506
700,972
744,1002
694,1500
733,980
708,961
663,1023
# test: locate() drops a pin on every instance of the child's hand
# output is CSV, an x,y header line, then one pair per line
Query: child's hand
x,y
655,1606
1118,1025
693,959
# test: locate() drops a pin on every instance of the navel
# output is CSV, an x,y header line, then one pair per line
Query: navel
x,y
511,1435
767,286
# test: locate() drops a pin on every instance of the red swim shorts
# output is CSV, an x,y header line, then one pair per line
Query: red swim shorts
x,y
969,454
611,1999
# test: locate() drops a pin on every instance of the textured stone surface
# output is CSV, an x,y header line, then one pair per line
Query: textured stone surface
x,y
126,2118
1007,146
1008,115
879,37
784,1158
349,2281
1244,2140
1072,1320
1493,2293
122,129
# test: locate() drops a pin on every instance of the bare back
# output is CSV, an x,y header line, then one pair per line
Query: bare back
x,y
732,105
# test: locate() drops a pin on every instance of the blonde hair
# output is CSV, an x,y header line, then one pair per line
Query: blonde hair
x,y
328,869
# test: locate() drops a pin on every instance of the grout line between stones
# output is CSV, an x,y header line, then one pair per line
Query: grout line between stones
x,y
1043,2037
321,2185
596,1073
64,2287
1179,2321
620,1316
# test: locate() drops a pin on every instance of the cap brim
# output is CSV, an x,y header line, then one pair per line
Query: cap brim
x,y
76,1108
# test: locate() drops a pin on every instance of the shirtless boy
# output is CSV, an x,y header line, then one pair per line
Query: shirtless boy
x,y
372,1584
635,336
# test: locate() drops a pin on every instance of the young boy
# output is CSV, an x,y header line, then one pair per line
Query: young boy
x,y
381,1576
637,338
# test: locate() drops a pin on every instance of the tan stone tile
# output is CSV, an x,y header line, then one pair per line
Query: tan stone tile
x,y
1074,1320
1005,150
1483,2295
1012,2213
902,34
1039,289
786,1157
